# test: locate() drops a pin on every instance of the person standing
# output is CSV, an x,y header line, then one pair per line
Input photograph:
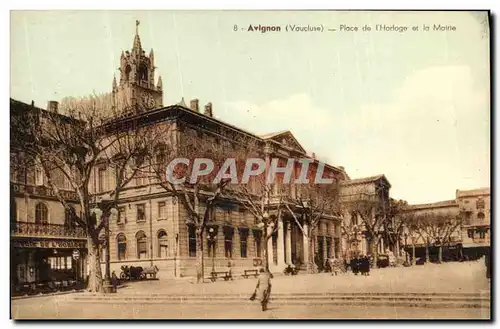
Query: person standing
x,y
487,262
263,289
354,265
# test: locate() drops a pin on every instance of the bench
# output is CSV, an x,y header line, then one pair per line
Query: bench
x,y
222,274
248,273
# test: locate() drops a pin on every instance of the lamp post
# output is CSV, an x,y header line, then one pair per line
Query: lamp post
x,y
108,287
212,235
265,226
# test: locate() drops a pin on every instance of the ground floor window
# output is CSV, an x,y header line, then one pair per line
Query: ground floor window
x,y
257,237
192,241
228,242
142,250
243,243
122,246
162,244
328,247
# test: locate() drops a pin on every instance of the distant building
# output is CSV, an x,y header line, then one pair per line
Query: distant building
x,y
466,236
374,191
475,207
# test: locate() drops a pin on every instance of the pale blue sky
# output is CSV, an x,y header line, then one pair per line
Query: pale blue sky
x,y
414,105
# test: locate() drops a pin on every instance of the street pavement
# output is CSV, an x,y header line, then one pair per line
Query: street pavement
x,y
443,278
448,278
53,308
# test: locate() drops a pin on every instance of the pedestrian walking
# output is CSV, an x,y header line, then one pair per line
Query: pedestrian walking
x,y
355,265
114,280
487,263
263,289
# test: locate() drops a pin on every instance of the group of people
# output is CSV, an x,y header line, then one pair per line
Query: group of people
x,y
360,264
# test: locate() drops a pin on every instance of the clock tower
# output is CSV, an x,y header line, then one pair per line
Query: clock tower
x,y
137,90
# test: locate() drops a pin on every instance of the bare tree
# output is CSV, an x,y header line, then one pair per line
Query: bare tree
x,y
258,199
312,203
73,147
394,226
437,229
370,212
198,196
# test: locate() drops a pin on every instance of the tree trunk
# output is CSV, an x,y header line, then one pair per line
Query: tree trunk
x,y
266,254
199,256
311,265
440,254
374,250
427,259
413,260
95,272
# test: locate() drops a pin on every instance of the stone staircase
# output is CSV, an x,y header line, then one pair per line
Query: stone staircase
x,y
421,300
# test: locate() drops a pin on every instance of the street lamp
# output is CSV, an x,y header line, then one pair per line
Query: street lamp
x,y
211,238
264,226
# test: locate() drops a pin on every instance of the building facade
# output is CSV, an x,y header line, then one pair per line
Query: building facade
x,y
475,207
43,236
465,236
366,202
152,226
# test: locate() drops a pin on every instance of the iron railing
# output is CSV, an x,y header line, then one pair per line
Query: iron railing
x,y
46,230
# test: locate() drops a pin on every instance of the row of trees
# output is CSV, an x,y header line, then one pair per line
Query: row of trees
x,y
90,136
87,135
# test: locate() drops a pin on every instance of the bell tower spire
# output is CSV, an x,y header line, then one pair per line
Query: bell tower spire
x,y
137,90
137,40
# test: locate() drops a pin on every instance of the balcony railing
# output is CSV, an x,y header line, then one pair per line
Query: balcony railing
x,y
26,229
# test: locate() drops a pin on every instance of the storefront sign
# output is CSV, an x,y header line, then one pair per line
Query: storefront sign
x,y
42,191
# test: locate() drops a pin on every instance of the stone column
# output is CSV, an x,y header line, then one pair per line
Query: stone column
x,y
288,243
281,245
305,240
325,248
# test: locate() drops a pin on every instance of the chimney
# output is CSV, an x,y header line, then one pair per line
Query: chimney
x,y
194,105
313,156
342,168
208,110
52,106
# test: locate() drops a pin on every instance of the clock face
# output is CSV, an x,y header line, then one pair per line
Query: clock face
x,y
148,101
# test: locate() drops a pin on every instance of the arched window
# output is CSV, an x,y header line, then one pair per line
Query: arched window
x,y
69,217
142,248
143,73
41,214
162,244
128,69
480,215
121,240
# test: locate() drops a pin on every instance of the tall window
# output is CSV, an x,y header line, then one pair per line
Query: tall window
x,y
192,241
38,175
121,240
41,214
162,210
470,233
122,215
69,217
243,242
482,234
101,176
257,236
328,247
142,245
228,242
162,244
141,212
